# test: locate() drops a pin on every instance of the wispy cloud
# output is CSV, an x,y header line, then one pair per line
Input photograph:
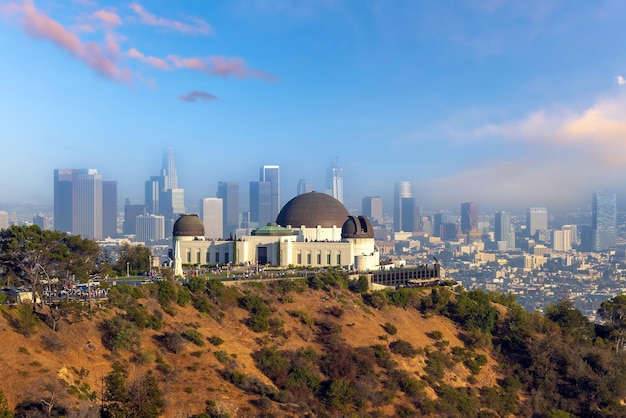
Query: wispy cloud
x,y
220,66
196,95
155,62
198,27
108,18
621,80
98,58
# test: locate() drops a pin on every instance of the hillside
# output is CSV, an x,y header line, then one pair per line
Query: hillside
x,y
319,349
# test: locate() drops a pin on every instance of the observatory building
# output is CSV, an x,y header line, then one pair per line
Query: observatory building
x,y
312,229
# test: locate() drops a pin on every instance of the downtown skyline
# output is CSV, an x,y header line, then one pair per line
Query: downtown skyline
x,y
507,104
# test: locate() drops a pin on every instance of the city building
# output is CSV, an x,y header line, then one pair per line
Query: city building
x,y
168,170
313,229
372,207
40,220
604,220
4,219
469,217
402,209
150,229
228,191
130,217
561,239
211,215
536,220
271,174
504,234
304,186
89,216
163,196
109,209
261,202
334,182
439,219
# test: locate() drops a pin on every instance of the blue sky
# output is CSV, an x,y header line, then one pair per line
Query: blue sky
x,y
509,104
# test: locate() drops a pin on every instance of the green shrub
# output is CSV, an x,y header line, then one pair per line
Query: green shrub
x,y
390,328
194,336
404,348
221,356
215,340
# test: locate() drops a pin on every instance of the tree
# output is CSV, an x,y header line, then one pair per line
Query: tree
x,y
133,257
613,312
5,412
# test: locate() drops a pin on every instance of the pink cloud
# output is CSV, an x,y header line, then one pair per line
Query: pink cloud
x,y
199,27
220,66
109,18
40,26
196,95
159,63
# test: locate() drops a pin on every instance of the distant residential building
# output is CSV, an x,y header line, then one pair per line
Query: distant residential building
x,y
228,191
604,220
561,240
304,186
150,228
469,217
536,220
211,214
334,182
40,220
4,219
372,207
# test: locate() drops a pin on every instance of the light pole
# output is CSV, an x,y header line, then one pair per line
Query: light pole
x,y
127,269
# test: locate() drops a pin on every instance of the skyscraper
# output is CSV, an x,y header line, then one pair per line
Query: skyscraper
x,y
168,171
469,217
271,174
304,186
261,203
153,189
402,191
109,209
211,212
228,191
503,232
536,220
334,182
150,228
66,198
89,216
372,207
439,219
130,217
604,220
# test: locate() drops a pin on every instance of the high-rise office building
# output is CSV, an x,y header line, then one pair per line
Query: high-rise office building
x,y
150,228
536,220
261,203
228,191
130,217
109,209
79,202
153,190
561,239
212,215
469,217
271,174
334,182
168,171
304,186
402,191
408,210
504,234
372,207
604,220
89,205
439,219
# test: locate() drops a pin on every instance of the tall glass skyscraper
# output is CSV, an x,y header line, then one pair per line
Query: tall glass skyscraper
x,y
503,233
334,182
271,174
604,220
402,200
469,216
228,191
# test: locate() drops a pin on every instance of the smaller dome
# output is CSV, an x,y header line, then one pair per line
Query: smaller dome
x,y
188,226
357,227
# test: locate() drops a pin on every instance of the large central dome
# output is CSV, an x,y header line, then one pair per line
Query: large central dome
x,y
313,209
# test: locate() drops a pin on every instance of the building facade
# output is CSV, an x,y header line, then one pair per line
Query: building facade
x,y
228,191
604,220
372,207
211,215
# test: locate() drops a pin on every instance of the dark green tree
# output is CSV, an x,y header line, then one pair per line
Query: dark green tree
x,y
136,258
613,312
